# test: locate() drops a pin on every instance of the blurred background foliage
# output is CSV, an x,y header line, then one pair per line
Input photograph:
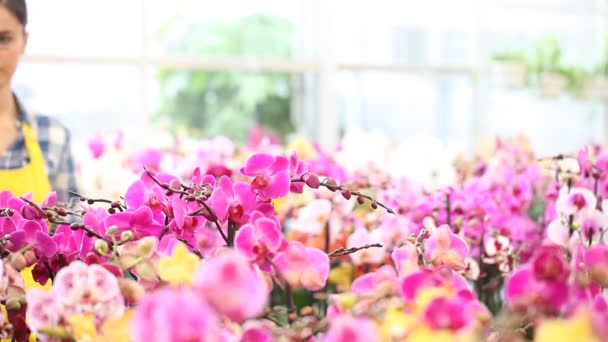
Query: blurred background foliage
x,y
226,102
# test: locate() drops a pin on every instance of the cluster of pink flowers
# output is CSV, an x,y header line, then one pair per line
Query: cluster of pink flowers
x,y
283,248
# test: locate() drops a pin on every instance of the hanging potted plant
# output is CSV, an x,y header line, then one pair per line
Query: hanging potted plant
x,y
552,76
510,68
583,84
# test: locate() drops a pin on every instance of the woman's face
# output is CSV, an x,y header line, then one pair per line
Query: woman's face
x,y
12,44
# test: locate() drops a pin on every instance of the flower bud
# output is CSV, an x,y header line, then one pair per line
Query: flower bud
x,y
30,257
346,194
146,246
175,184
18,261
599,274
126,236
13,304
360,200
112,231
313,181
101,247
374,205
131,290
582,279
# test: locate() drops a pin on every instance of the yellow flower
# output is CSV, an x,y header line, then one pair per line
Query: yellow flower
x,y
118,329
30,283
424,334
342,275
303,148
179,267
83,328
577,328
396,324
115,329
346,300
425,296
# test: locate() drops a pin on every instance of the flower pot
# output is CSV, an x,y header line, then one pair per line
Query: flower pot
x,y
552,85
592,87
510,74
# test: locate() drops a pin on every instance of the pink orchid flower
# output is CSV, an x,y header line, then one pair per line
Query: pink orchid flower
x,y
405,258
43,310
142,221
184,225
523,291
445,248
256,332
175,315
230,285
146,192
550,264
431,277
346,328
578,200
383,278
303,267
271,175
233,201
31,233
448,313
77,289
260,238
89,289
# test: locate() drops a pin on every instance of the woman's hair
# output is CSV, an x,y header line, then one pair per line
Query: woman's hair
x,y
18,8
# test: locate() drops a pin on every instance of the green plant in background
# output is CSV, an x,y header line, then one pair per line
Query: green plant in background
x,y
577,77
510,55
226,102
547,56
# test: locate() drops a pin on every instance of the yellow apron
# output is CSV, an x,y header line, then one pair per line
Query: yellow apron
x,y
30,178
33,176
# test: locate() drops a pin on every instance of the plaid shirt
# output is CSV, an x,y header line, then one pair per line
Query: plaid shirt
x,y
54,140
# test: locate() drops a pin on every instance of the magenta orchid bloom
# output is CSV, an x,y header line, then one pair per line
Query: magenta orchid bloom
x,y
270,175
346,328
303,267
143,222
445,248
256,332
260,238
32,233
184,225
175,315
96,146
448,313
232,286
297,168
523,290
146,192
233,201
431,277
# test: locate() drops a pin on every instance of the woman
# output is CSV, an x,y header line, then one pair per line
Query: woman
x,y
35,154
